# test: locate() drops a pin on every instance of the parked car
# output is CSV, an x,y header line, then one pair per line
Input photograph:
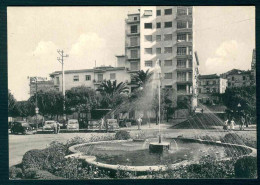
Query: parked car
x,y
22,127
73,124
49,125
112,125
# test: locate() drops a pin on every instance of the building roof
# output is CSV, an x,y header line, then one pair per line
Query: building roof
x,y
96,69
210,76
237,72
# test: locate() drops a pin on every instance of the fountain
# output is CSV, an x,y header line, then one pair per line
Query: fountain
x,y
159,146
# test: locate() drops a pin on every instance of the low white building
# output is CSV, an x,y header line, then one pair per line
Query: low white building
x,y
91,78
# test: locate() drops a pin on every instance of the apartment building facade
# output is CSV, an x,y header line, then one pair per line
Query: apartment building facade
x,y
239,78
209,85
91,78
163,33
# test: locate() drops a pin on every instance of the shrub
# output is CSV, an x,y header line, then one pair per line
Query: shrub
x,y
74,141
122,135
33,159
246,167
33,173
15,173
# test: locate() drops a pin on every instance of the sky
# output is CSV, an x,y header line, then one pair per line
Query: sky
x,y
224,38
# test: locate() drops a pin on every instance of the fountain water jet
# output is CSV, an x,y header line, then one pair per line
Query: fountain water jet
x,y
160,146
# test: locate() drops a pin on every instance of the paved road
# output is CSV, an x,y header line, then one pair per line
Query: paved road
x,y
19,144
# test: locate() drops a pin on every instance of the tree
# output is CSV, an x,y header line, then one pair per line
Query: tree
x,y
245,96
12,105
81,99
142,78
112,93
49,102
25,108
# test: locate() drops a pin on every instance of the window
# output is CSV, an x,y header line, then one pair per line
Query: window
x,y
134,29
76,78
181,88
88,77
168,24
189,37
148,50
244,78
181,11
181,37
134,54
134,66
149,63
190,50
148,25
148,38
158,25
158,38
233,78
181,50
167,11
133,41
168,50
167,75
168,63
167,37
148,12
168,86
190,62
189,24
158,51
181,24
135,18
57,80
158,12
190,11
181,76
181,63
112,76
100,77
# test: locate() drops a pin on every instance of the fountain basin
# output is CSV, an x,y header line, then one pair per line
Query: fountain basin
x,y
159,147
135,156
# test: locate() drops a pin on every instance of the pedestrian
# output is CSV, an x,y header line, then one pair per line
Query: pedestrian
x,y
225,127
202,111
58,128
242,123
232,124
102,123
139,121
54,127
229,125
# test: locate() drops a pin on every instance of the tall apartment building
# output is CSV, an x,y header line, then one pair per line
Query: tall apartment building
x,y
164,33
253,64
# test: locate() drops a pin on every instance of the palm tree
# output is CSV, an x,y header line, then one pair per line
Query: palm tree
x,y
143,77
112,92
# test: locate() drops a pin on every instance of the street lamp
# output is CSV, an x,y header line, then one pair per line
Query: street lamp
x,y
35,79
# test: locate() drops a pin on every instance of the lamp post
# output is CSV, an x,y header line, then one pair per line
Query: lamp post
x,y
35,79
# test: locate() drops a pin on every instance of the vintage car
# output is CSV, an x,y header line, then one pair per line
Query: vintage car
x,y
22,127
49,125
73,124
112,125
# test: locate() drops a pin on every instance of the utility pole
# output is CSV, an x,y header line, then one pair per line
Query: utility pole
x,y
61,60
35,79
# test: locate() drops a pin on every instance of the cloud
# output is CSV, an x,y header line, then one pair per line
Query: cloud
x,y
230,54
45,48
86,43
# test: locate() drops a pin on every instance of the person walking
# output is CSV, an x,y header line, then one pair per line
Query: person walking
x,y
232,124
58,128
242,123
225,127
54,127
139,121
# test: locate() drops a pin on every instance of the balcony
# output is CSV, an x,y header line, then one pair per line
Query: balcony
x,y
184,81
184,43
133,34
183,92
133,46
184,69
184,56
184,30
128,21
98,82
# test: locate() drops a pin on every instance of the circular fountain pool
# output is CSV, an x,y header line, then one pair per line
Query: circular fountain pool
x,y
135,156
